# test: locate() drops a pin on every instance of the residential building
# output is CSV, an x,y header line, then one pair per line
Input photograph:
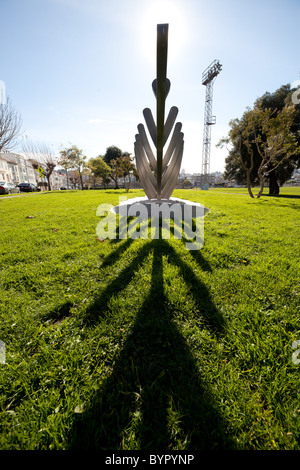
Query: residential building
x,y
20,170
295,179
5,173
58,179
13,168
31,175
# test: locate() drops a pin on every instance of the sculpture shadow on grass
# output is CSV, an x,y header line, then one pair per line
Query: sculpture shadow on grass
x,y
284,196
155,395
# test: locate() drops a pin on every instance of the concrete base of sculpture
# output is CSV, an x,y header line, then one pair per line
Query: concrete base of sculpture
x,y
160,208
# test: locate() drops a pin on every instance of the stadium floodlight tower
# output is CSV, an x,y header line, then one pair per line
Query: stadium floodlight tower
x,y
208,77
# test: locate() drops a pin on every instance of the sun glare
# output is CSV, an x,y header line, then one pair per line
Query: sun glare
x,y
159,12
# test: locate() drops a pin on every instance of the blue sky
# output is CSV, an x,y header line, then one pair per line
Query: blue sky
x,y
80,72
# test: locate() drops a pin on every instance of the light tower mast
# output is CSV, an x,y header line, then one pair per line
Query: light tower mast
x,y
208,78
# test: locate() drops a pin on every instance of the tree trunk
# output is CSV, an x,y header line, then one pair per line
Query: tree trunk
x,y
81,182
261,182
48,181
116,182
273,185
249,183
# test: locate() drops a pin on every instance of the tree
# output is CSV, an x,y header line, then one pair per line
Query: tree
x,y
265,142
126,168
276,142
74,159
10,126
277,101
120,163
100,169
187,183
112,153
42,159
65,163
74,178
116,171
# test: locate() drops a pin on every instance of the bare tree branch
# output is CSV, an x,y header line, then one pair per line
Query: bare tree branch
x,y
10,126
41,156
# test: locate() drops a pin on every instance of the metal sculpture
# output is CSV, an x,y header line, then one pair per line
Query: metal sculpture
x,y
159,175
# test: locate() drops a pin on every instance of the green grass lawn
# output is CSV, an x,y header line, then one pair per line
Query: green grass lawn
x,y
143,344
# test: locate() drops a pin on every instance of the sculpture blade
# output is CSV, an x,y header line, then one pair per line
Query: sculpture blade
x,y
172,172
146,146
150,124
170,122
146,176
172,144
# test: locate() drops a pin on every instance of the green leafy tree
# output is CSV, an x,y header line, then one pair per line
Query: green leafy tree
x,y
74,158
187,183
100,169
112,153
116,171
126,168
277,101
256,151
120,163
270,135
276,143
65,163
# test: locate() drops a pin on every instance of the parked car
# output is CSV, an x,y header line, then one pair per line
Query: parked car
x,y
8,188
28,187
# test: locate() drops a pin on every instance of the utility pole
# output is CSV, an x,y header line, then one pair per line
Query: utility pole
x,y
208,77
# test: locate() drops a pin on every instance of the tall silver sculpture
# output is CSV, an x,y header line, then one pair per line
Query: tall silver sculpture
x,y
159,174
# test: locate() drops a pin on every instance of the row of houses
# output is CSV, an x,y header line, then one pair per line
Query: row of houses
x,y
14,168
217,179
197,179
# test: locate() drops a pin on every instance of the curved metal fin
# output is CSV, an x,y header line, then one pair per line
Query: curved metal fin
x,y
146,146
170,122
145,174
150,124
170,176
172,145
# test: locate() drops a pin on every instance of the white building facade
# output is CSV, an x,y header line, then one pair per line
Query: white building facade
x,y
16,169
5,173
